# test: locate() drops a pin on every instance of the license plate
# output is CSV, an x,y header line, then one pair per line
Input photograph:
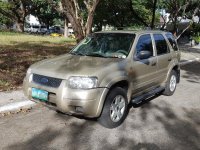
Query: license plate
x,y
40,94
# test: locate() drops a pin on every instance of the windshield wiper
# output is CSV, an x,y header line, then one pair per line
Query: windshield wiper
x,y
77,53
112,57
93,55
96,55
100,55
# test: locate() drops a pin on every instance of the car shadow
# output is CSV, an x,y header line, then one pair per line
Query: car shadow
x,y
188,48
181,133
192,72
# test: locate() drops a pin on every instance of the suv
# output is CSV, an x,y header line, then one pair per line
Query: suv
x,y
105,73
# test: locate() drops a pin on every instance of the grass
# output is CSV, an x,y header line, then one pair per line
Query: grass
x,y
18,51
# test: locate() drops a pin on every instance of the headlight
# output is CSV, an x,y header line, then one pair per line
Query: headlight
x,y
82,82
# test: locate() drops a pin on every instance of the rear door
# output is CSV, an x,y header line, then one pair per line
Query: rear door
x,y
163,54
175,51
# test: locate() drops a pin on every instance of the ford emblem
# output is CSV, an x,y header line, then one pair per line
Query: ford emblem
x,y
44,80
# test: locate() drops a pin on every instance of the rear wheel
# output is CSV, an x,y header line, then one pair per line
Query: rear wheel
x,y
115,108
171,84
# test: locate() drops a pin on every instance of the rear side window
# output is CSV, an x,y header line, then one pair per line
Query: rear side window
x,y
161,44
172,41
144,43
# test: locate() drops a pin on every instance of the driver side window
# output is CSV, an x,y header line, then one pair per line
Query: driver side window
x,y
144,44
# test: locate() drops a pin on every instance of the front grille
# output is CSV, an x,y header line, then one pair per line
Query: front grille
x,y
46,81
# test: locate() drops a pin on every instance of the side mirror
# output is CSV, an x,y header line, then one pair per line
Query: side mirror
x,y
144,54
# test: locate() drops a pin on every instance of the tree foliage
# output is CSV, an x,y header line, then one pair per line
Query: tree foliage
x,y
146,11
16,10
180,9
45,12
84,14
115,13
5,21
125,13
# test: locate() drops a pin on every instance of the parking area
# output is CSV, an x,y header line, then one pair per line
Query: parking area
x,y
162,123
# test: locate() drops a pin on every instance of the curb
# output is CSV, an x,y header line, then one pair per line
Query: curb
x,y
12,107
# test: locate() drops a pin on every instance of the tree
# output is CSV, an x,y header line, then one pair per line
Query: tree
x,y
5,21
80,14
126,13
178,10
45,12
145,12
16,10
115,13
153,13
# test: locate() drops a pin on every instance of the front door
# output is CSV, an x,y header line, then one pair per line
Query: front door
x,y
145,70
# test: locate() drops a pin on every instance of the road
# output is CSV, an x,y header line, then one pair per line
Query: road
x,y
166,123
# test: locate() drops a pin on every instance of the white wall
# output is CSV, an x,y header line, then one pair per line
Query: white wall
x,y
32,20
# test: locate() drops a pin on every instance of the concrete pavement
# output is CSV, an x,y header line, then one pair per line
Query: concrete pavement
x,y
12,101
15,100
164,123
189,53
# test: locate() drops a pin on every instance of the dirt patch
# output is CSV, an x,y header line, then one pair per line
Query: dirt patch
x,y
15,60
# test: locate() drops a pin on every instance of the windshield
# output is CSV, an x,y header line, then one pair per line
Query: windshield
x,y
105,45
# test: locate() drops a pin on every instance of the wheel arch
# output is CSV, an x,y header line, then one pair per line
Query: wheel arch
x,y
106,118
177,69
120,83
124,84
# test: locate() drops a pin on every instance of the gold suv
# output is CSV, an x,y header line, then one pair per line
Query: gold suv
x,y
105,73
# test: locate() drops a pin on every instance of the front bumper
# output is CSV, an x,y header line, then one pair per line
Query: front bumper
x,y
88,103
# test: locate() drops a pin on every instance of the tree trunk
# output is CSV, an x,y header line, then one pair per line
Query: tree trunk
x,y
153,15
72,11
175,27
66,28
89,23
78,30
91,11
20,26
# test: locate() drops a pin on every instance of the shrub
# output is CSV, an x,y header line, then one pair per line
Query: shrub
x,y
196,39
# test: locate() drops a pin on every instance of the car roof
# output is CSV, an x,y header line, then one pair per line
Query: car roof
x,y
134,31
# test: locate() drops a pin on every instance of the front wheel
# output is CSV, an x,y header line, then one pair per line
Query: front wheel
x,y
171,84
115,108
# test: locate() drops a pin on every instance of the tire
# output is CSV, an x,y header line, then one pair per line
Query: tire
x,y
170,86
115,108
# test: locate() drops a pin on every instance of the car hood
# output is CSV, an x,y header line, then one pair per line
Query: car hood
x,y
72,65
